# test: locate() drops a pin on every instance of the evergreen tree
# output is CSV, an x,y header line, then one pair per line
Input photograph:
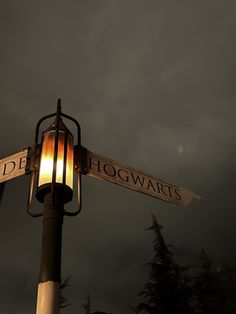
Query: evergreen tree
x,y
87,305
63,300
215,288
168,289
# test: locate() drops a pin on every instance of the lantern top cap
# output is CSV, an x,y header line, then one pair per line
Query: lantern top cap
x,y
58,124
61,127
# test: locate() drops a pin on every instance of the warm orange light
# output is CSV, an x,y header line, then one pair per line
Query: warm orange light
x,y
70,161
46,162
47,159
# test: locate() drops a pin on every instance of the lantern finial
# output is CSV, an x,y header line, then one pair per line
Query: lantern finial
x,y
59,105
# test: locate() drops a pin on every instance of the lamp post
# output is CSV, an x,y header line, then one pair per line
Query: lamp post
x,y
53,165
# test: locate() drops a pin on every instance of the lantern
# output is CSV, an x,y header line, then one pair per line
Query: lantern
x,y
53,163
56,162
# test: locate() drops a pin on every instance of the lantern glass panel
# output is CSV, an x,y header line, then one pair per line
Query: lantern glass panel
x,y
60,158
47,159
70,162
46,162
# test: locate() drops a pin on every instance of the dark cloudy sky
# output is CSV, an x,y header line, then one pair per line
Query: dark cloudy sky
x,y
152,84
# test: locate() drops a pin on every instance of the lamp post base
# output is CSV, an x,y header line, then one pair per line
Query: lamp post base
x,y
48,300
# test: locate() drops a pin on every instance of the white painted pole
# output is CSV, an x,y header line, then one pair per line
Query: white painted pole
x,y
48,299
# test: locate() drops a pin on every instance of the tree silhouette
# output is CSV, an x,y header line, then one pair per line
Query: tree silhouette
x,y
87,305
168,289
63,300
215,288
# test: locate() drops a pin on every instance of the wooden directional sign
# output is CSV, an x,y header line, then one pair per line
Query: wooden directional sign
x,y
111,171
13,166
114,172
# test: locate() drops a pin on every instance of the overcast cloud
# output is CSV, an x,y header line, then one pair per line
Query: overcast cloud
x,y
152,84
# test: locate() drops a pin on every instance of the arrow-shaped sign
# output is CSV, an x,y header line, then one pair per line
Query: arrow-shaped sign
x,y
106,169
131,178
13,166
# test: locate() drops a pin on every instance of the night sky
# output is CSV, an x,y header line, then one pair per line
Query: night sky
x,y
152,84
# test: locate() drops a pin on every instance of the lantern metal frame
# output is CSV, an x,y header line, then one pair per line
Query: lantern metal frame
x,y
34,158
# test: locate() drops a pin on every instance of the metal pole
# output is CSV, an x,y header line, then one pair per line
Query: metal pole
x,y
48,299
2,186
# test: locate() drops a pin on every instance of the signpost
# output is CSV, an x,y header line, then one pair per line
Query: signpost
x,y
53,162
111,171
13,166
131,178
